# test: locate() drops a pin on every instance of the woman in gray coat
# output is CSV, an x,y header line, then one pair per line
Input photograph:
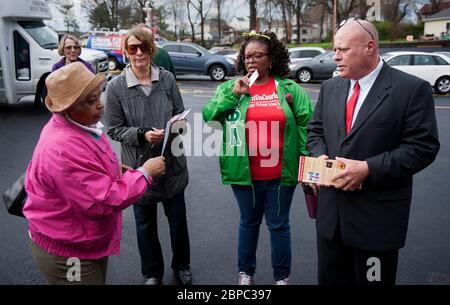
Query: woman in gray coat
x,y
139,103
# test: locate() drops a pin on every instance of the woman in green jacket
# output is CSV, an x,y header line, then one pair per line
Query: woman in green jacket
x,y
264,134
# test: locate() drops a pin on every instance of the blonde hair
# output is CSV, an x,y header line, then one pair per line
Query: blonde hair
x,y
62,43
144,35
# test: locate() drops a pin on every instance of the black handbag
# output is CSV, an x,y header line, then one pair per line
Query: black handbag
x,y
15,197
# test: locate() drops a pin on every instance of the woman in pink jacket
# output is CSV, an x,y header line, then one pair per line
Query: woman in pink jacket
x,y
75,186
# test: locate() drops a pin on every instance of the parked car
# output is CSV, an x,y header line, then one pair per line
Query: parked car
x,y
319,67
222,51
304,53
190,58
432,67
443,53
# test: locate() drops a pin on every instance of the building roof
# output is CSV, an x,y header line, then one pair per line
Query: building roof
x,y
313,14
444,14
426,9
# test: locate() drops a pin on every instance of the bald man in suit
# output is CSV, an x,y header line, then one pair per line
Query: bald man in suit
x,y
381,123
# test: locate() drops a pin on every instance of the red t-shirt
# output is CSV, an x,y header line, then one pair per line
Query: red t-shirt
x,y
265,122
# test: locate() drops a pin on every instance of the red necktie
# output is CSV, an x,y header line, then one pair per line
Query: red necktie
x,y
350,108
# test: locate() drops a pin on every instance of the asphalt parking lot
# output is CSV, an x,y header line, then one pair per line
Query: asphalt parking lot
x,y
213,215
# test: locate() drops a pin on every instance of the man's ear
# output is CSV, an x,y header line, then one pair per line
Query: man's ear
x,y
371,47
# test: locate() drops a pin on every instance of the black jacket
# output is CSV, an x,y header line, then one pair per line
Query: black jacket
x,y
396,133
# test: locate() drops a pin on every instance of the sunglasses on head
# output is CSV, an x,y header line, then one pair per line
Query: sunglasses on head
x,y
351,20
132,49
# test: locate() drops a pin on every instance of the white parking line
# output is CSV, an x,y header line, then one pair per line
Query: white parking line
x,y
442,107
208,96
196,91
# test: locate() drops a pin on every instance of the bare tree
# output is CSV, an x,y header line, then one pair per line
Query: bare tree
x,y
103,13
188,6
286,8
66,8
363,7
129,14
394,10
141,5
201,13
219,18
268,11
177,10
253,15
298,13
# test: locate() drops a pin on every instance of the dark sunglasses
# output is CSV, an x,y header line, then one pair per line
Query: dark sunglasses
x,y
354,19
132,49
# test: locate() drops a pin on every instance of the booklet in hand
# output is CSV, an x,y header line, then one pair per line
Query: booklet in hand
x,y
318,171
167,130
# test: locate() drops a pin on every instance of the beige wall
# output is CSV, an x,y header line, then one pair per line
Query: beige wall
x,y
435,27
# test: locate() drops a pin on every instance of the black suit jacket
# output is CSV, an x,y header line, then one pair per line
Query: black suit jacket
x,y
396,133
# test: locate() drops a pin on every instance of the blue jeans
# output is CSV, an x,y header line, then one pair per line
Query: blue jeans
x,y
272,200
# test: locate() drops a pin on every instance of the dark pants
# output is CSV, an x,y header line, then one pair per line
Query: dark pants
x,y
152,262
339,264
272,200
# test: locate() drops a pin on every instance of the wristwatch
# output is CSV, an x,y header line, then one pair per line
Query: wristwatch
x,y
141,135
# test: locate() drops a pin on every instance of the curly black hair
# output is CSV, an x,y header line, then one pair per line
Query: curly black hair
x,y
277,51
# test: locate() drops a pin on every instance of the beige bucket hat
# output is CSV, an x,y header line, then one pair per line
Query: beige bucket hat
x,y
69,85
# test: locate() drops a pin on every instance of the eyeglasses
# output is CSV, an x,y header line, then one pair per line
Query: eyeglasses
x,y
132,49
70,48
354,19
257,57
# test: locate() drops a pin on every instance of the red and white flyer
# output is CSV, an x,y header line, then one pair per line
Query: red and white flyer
x,y
318,170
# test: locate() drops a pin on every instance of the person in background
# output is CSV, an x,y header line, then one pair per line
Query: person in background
x,y
380,123
76,190
162,59
70,49
264,134
140,102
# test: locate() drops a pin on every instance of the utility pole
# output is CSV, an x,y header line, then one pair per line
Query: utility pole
x,y
148,10
334,17
219,18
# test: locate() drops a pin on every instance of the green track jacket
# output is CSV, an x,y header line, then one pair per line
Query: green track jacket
x,y
230,110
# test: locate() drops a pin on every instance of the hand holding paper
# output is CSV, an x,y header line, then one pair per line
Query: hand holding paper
x,y
154,135
318,170
175,118
242,84
253,78
353,176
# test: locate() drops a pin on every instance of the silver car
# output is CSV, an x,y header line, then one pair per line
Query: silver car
x,y
319,67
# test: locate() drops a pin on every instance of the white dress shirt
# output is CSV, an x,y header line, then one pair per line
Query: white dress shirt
x,y
95,128
365,84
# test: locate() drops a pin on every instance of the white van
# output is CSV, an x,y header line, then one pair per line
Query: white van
x,y
28,49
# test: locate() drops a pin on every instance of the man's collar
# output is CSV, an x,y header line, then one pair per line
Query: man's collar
x,y
366,80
